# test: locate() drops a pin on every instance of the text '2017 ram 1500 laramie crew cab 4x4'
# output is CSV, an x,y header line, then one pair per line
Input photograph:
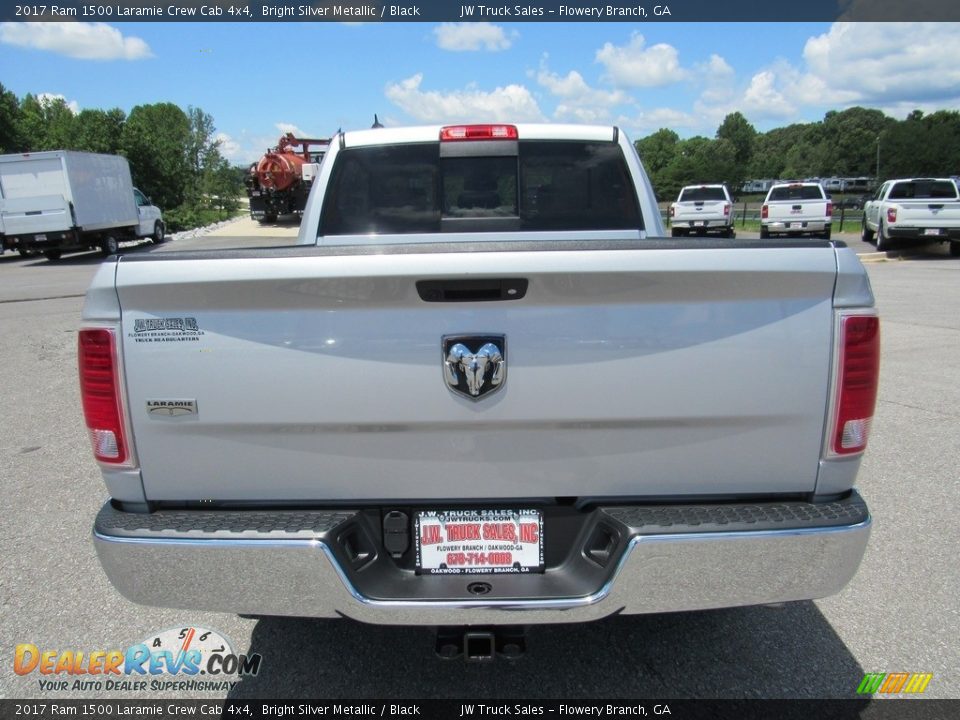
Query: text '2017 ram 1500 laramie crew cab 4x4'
x,y
484,390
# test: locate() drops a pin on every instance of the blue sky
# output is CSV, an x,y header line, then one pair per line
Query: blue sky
x,y
258,80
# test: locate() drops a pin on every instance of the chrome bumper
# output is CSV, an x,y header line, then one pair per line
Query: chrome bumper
x,y
656,572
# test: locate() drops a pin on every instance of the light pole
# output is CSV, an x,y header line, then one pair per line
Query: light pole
x,y
878,158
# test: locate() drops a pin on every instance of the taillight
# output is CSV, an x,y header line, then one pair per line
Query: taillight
x,y
858,372
100,394
478,132
726,211
673,211
891,215
764,212
829,209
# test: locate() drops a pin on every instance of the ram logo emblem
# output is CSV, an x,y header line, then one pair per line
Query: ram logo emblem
x,y
475,365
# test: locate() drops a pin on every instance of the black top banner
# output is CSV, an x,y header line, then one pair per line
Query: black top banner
x,y
637,11
472,709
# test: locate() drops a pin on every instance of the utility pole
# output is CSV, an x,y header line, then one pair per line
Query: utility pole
x,y
878,158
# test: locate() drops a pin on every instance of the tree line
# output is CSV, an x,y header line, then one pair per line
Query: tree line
x,y
844,144
173,153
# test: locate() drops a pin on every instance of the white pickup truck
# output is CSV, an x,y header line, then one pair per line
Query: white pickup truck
x,y
796,208
484,390
918,209
700,209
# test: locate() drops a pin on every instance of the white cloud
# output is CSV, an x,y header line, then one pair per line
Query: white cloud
x,y
510,103
45,98
230,148
649,121
882,63
472,36
635,65
285,128
717,79
579,101
81,40
762,97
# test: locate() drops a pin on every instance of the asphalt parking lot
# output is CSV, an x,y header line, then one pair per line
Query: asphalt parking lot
x,y
900,613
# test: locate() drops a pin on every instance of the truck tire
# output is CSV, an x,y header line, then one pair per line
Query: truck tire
x,y
674,232
52,255
109,246
829,231
26,253
884,244
955,249
158,233
866,234
764,233
268,219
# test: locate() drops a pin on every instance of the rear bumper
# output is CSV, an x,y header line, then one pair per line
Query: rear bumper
x,y
796,226
661,559
921,233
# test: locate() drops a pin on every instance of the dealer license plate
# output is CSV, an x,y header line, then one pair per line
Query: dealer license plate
x,y
931,231
39,238
455,542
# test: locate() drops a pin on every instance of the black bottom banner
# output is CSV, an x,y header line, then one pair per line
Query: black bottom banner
x,y
911,709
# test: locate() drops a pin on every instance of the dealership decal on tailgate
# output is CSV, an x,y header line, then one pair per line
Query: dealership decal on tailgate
x,y
452,542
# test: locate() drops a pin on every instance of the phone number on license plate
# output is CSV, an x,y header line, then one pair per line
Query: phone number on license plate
x,y
479,541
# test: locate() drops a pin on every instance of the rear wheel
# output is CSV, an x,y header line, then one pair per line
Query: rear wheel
x,y
955,249
827,233
764,233
866,234
269,219
109,246
26,253
158,233
52,255
884,244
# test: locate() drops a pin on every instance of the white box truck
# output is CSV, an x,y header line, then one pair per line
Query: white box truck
x,y
61,201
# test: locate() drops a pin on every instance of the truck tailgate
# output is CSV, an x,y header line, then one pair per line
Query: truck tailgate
x,y
927,213
317,377
699,210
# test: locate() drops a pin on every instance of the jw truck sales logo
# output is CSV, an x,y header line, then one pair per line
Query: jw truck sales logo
x,y
177,660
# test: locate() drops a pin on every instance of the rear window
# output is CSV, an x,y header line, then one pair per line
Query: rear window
x,y
797,192
546,185
924,190
702,193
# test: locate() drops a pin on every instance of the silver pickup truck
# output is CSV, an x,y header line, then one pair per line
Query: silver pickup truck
x,y
483,390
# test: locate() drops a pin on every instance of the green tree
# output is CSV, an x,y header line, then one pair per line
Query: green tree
x,y
222,184
9,121
155,139
657,152
743,135
100,131
698,160
46,123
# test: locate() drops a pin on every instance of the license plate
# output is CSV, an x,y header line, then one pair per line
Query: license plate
x,y
700,223
788,225
458,542
39,238
931,231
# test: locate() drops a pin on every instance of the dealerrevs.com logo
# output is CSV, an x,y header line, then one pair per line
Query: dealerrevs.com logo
x,y
178,659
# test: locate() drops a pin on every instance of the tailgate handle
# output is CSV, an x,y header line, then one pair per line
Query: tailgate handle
x,y
797,207
935,207
473,290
